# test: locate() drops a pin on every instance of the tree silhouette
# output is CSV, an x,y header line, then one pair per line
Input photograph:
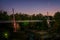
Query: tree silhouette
x,y
57,20
57,17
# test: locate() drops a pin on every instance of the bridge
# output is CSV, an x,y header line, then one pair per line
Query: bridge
x,y
17,21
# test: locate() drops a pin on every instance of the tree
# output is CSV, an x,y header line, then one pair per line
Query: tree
x,y
3,15
39,16
57,20
57,17
33,17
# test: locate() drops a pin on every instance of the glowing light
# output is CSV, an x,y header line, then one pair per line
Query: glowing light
x,y
25,23
6,35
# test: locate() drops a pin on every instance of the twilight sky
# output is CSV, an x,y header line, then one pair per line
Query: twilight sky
x,y
31,6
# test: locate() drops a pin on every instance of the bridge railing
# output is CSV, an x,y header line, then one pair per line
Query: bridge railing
x,y
25,21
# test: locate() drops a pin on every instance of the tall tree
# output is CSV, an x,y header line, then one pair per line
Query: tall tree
x,y
57,20
57,17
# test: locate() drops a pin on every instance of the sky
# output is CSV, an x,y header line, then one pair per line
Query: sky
x,y
30,6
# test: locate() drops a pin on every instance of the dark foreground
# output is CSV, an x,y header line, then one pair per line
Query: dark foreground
x,y
29,35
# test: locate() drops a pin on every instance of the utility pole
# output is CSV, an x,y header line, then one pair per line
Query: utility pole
x,y
14,21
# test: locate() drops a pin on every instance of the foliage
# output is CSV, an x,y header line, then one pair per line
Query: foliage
x,y
57,17
31,25
57,20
